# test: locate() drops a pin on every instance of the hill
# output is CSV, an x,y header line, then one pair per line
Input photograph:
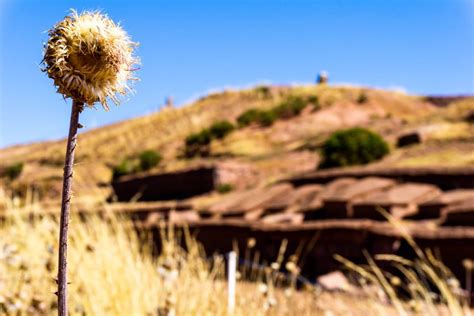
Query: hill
x,y
265,154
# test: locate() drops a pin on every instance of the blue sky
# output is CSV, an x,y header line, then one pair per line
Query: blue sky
x,y
190,47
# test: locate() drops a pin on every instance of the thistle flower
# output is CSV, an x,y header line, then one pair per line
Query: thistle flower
x,y
90,58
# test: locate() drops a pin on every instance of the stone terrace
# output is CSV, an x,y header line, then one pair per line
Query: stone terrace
x,y
324,213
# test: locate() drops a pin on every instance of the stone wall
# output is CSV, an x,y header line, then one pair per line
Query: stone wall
x,y
165,186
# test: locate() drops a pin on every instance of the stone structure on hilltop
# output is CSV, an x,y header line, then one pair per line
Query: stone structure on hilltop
x,y
169,102
323,77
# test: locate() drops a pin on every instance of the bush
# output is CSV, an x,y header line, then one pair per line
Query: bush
x,y
263,91
124,168
224,188
149,159
354,146
14,171
266,118
313,100
221,129
363,98
262,118
248,117
198,144
291,107
201,138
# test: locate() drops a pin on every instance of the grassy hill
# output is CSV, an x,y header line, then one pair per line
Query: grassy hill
x,y
288,146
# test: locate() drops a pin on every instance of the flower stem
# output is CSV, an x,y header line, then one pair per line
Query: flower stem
x,y
77,108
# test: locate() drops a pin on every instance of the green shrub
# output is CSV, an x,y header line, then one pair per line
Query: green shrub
x,y
124,168
201,138
262,118
266,118
149,159
354,146
263,91
224,188
248,117
198,144
313,100
363,98
291,107
221,129
13,171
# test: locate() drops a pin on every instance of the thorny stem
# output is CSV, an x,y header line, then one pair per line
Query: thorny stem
x,y
77,108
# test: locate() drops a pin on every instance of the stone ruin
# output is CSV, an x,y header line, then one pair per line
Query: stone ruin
x,y
340,209
323,77
169,102
184,183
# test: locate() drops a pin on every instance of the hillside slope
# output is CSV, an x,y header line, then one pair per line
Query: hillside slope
x,y
287,147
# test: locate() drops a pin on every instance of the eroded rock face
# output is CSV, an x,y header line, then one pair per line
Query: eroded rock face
x,y
317,206
184,183
443,101
461,214
244,202
165,186
338,215
449,199
470,117
342,200
444,178
409,139
399,200
343,197
304,218
239,175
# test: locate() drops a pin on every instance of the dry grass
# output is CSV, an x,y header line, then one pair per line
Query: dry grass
x,y
442,157
452,131
164,131
428,287
113,272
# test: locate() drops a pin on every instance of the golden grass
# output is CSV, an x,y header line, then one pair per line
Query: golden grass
x,y
430,288
164,131
449,157
449,131
113,272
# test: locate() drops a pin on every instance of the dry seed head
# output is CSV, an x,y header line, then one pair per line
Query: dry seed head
x,y
275,266
290,266
90,58
395,281
453,283
251,243
468,264
263,288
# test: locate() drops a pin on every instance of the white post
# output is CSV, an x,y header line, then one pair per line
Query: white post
x,y
231,279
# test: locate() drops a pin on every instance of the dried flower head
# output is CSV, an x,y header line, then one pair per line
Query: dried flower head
x,y
395,281
251,242
90,58
468,264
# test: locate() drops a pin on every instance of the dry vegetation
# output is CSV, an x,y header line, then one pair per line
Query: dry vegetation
x,y
113,272
289,143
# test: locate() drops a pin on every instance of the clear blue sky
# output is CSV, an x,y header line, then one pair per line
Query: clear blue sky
x,y
190,47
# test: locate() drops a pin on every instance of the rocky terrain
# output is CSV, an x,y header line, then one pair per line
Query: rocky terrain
x,y
440,128
263,182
